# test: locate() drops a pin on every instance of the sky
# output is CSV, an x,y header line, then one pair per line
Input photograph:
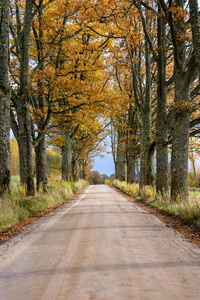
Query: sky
x,y
104,165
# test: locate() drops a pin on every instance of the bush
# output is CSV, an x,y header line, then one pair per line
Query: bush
x,y
148,192
107,181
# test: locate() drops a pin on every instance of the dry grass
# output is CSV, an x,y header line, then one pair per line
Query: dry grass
x,y
16,206
189,214
194,196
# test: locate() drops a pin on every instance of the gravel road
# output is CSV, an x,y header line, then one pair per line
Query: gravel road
x,y
99,246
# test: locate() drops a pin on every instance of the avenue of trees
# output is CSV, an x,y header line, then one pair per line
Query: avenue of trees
x,y
73,72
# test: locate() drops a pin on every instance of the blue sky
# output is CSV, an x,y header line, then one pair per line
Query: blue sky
x,y
104,165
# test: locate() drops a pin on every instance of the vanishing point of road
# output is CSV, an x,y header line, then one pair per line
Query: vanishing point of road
x,y
99,246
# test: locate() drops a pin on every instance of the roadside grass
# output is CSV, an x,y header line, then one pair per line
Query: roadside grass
x,y
194,195
16,206
15,181
187,213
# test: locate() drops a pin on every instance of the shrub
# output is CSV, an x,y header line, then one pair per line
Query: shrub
x,y
148,192
107,181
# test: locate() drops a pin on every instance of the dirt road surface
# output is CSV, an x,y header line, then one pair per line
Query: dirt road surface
x,y
99,246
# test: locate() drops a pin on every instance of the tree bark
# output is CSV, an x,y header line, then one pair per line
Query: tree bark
x,y
131,146
180,142
66,157
4,99
40,149
162,180
22,129
131,165
181,114
146,159
195,23
25,148
74,163
41,166
120,165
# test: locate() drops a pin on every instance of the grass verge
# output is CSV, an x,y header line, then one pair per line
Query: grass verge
x,y
15,206
186,213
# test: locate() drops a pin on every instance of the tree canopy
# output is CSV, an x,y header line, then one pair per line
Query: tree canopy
x,y
82,70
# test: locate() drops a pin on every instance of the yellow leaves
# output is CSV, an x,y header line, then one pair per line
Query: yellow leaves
x,y
14,157
57,141
38,114
194,148
135,37
179,13
180,36
181,106
191,158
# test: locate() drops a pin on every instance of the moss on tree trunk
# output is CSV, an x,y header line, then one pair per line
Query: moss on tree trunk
x,y
4,99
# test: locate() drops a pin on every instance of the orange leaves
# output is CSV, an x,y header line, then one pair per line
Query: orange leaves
x,y
186,106
83,55
38,113
14,157
181,106
179,13
194,149
180,36
57,141
135,37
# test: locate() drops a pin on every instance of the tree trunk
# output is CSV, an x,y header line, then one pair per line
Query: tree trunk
x,y
131,145
4,99
180,141
181,114
41,166
74,167
131,165
195,24
195,174
66,158
116,170
162,180
22,128
120,165
40,149
146,159
25,149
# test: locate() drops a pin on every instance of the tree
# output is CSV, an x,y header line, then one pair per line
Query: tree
x,y
134,63
40,104
186,68
162,180
95,177
21,124
104,177
4,98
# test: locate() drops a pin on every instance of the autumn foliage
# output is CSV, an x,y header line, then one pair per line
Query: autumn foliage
x,y
80,71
